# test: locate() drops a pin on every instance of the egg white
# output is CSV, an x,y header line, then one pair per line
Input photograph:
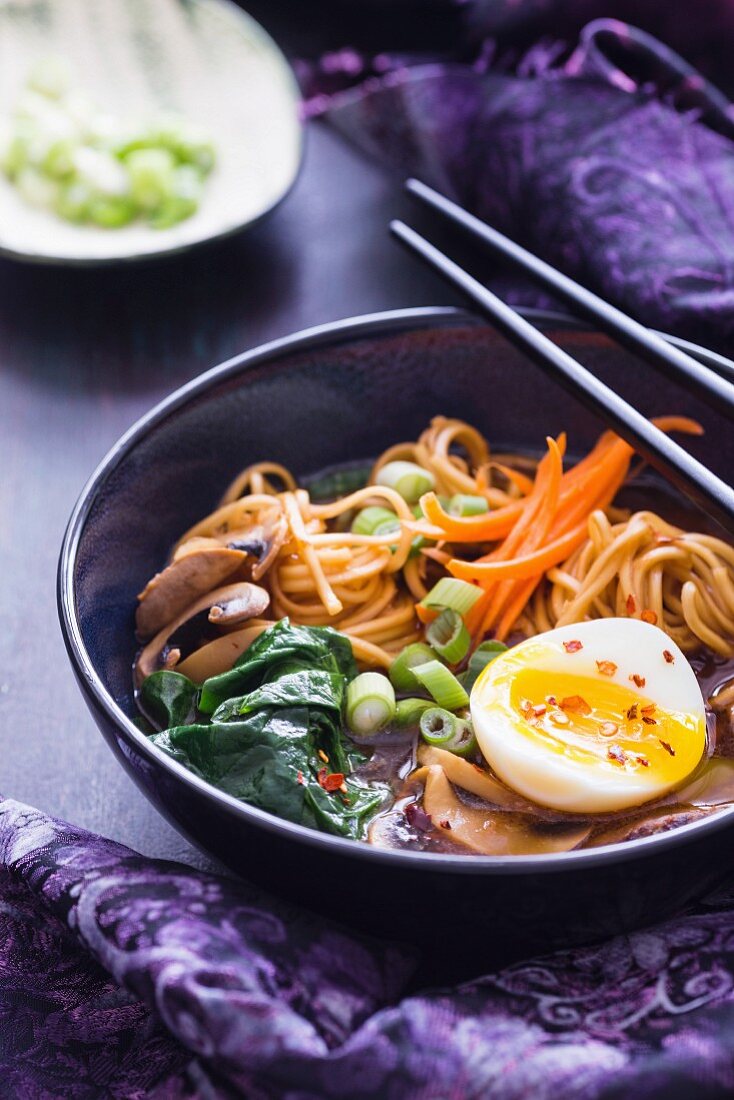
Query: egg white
x,y
562,775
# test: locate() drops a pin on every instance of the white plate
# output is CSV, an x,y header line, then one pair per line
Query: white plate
x,y
207,60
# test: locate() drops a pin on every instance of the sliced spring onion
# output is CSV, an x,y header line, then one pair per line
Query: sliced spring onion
x,y
387,526
370,703
441,684
462,504
409,711
368,519
480,658
460,596
437,725
406,478
449,636
401,670
442,728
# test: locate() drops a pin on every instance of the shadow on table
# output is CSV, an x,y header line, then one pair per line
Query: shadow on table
x,y
144,326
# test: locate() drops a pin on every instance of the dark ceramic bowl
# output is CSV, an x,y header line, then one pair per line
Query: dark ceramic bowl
x,y
341,392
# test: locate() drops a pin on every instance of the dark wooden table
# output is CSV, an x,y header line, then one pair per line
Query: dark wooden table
x,y
82,354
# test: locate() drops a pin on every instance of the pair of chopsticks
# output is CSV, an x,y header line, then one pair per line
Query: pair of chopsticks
x,y
690,476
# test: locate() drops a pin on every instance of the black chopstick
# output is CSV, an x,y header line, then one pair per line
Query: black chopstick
x,y
708,491
717,391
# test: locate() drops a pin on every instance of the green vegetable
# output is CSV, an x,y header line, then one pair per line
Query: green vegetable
x,y
449,636
63,153
182,202
460,596
461,504
408,712
169,698
401,673
369,519
370,703
151,174
337,483
311,646
441,685
275,731
406,478
259,762
480,658
445,730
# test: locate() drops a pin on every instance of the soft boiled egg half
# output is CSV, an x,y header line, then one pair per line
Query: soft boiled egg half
x,y
592,717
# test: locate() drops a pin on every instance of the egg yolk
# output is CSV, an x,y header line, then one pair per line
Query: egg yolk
x,y
595,720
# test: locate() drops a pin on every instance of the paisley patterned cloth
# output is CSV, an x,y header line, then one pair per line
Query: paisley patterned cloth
x,y
129,977
617,165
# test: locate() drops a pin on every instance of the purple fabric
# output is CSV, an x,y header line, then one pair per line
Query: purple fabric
x,y
129,977
625,188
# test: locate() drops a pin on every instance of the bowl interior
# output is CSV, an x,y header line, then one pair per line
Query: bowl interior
x,y
207,60
336,399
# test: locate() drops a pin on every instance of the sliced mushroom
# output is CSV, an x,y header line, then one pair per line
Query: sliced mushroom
x,y
219,655
261,543
471,778
491,832
230,604
658,820
194,571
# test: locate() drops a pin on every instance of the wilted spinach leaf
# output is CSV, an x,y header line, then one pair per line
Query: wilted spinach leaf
x,y
307,646
266,745
168,698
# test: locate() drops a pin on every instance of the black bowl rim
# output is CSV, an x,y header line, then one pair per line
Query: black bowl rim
x,y
368,325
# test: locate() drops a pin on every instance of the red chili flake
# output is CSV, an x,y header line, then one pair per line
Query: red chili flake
x,y
551,700
637,680
576,704
539,710
323,756
417,817
649,616
668,656
649,709
667,746
301,780
608,729
617,753
330,781
649,721
632,712
445,824
606,668
631,604
643,760
573,646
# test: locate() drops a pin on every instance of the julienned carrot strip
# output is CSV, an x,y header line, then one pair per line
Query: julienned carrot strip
x,y
514,608
534,526
528,565
555,512
516,602
519,480
483,528
678,424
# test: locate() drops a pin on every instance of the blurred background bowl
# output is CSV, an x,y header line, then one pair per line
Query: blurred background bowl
x,y
205,59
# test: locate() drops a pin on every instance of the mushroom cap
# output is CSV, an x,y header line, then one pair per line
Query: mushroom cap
x,y
233,603
194,571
